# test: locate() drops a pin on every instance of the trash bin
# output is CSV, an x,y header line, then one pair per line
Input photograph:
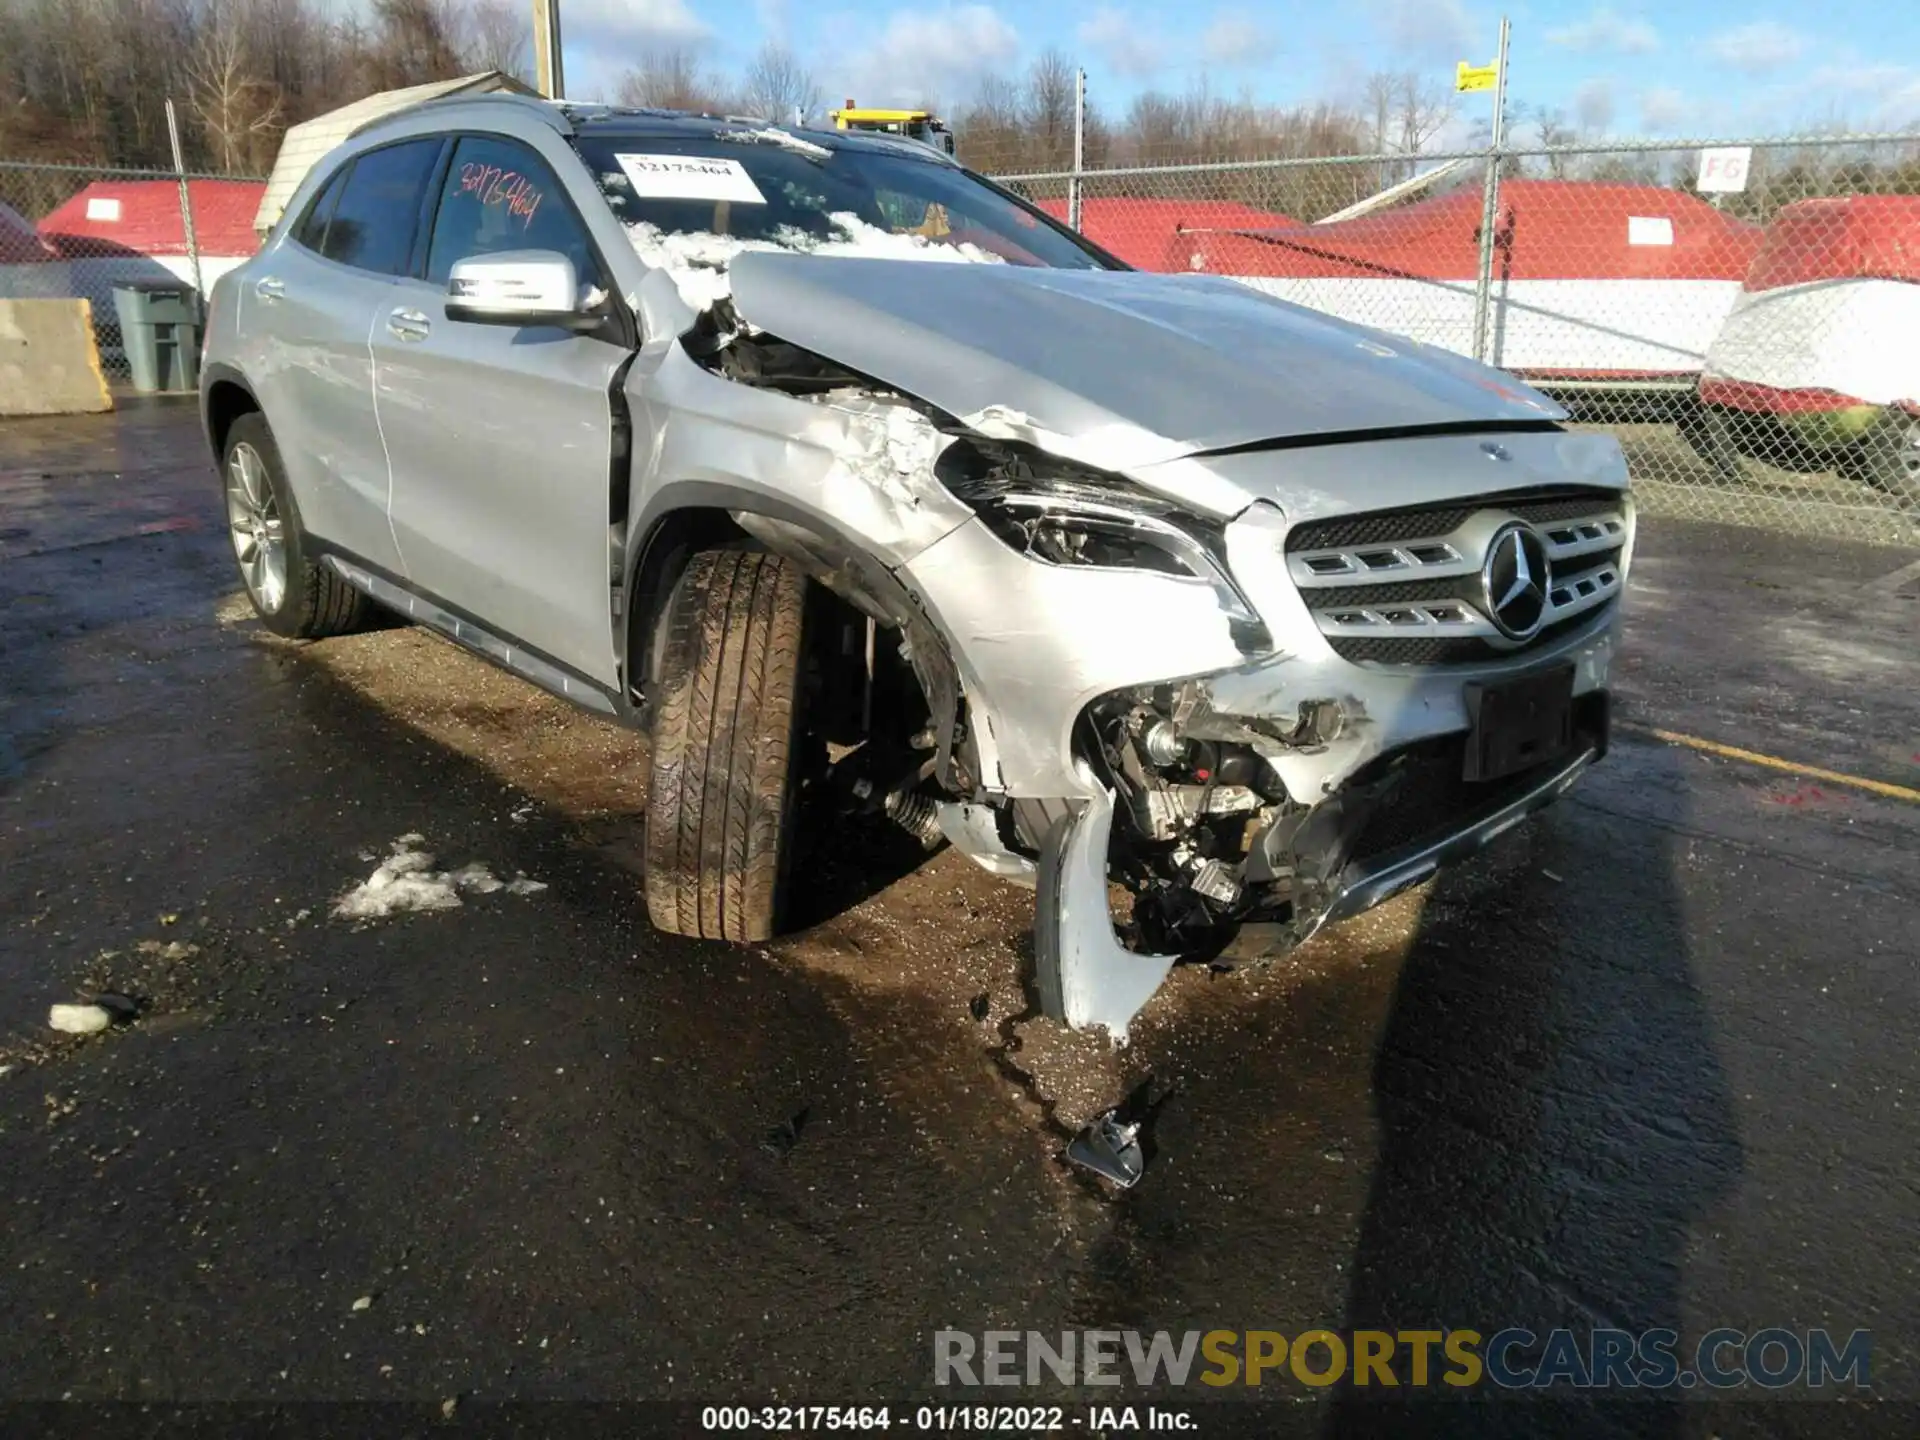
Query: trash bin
x,y
160,331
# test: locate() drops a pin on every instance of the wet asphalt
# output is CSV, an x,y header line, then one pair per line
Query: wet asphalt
x,y
1651,1061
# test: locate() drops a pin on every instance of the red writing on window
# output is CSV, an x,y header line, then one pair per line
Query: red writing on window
x,y
491,185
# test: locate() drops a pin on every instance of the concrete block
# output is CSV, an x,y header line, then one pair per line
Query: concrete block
x,y
49,364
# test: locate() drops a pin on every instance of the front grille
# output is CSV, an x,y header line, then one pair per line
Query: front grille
x,y
1451,650
1384,527
1458,587
1405,587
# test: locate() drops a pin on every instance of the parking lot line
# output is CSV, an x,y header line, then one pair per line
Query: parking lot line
x,y
1774,762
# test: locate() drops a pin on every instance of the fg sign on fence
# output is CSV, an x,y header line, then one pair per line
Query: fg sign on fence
x,y
1724,171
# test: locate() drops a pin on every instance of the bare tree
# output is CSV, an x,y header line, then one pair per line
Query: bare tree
x,y
495,35
1046,109
1553,128
987,130
413,41
239,112
1424,108
778,86
1402,113
668,77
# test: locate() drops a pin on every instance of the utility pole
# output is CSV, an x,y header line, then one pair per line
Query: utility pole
x,y
549,75
186,206
1079,148
1490,203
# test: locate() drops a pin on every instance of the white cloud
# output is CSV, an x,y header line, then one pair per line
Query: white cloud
x,y
1663,110
1235,38
1870,96
1123,43
772,15
1764,45
632,22
922,57
1593,105
604,37
1435,30
1606,30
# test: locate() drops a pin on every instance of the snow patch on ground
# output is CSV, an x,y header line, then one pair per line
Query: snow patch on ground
x,y
406,880
698,259
79,1019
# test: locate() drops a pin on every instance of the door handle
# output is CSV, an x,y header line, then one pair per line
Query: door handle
x,y
408,325
270,289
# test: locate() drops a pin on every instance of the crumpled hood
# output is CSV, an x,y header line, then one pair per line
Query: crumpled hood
x,y
1197,363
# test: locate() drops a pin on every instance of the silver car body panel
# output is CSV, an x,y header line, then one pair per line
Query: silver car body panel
x,y
1129,369
1099,981
499,441
302,326
473,635
498,487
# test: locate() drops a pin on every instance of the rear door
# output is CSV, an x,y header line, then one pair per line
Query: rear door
x,y
500,437
308,308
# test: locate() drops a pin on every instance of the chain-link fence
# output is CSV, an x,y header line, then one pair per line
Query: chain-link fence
x,y
1756,348
81,230
1744,315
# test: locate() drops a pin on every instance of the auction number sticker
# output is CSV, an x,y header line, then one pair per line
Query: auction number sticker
x,y
690,177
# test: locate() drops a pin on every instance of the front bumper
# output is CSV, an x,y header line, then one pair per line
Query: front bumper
x,y
1086,977
1365,883
1036,644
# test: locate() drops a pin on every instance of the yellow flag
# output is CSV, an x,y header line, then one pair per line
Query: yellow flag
x,y
1474,77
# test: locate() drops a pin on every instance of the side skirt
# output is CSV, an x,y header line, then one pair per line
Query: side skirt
x,y
471,635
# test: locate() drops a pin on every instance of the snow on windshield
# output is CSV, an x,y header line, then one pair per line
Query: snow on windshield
x,y
698,260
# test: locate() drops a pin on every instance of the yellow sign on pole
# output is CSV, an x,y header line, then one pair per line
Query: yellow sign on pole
x,y
1475,77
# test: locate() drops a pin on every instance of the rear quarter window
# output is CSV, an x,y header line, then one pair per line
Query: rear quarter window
x,y
311,229
373,220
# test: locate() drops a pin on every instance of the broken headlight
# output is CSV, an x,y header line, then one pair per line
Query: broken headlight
x,y
1063,514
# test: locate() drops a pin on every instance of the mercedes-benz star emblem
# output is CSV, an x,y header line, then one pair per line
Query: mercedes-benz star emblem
x,y
1515,580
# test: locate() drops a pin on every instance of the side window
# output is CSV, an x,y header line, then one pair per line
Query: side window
x,y
372,227
499,195
312,229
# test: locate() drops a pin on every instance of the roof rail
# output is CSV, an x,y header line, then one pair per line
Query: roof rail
x,y
533,106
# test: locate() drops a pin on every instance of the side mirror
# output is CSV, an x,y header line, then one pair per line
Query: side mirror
x,y
520,287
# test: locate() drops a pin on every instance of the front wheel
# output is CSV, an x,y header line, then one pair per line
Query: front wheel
x,y
727,739
291,593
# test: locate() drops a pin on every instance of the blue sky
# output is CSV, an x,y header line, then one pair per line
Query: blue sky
x,y
1683,68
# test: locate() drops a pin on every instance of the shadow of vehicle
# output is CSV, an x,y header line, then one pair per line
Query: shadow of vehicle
x,y
1553,1123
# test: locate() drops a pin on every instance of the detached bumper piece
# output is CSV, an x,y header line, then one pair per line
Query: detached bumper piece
x,y
1384,845
1364,884
1084,974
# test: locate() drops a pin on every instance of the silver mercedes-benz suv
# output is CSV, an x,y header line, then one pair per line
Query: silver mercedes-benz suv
x,y
856,479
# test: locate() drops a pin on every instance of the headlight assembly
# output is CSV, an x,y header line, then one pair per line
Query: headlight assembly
x,y
1063,514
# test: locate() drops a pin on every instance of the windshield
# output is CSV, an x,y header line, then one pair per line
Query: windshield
x,y
783,191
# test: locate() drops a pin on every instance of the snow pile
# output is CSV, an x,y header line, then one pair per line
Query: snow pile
x,y
79,1019
406,880
774,135
698,259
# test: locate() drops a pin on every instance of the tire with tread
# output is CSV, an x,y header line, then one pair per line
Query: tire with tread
x,y
726,736
316,602
1709,435
1887,457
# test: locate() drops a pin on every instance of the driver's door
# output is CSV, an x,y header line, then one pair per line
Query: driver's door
x,y
500,437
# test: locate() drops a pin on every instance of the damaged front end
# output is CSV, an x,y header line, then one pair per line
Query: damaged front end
x,y
1218,681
